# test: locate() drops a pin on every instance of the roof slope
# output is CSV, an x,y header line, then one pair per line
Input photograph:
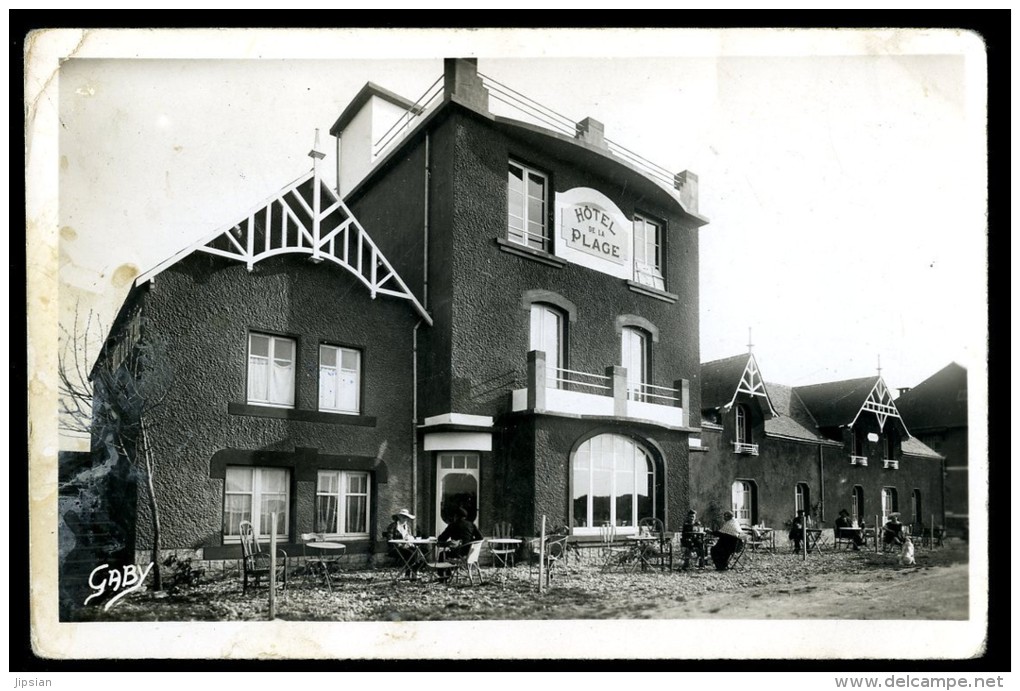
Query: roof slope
x,y
912,446
720,379
938,401
794,419
836,403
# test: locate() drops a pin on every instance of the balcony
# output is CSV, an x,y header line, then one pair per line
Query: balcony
x,y
570,392
745,448
859,460
890,464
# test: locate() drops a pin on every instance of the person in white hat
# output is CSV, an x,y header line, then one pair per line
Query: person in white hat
x,y
402,529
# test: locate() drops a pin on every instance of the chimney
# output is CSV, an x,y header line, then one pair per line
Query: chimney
x,y
591,131
686,184
462,84
904,389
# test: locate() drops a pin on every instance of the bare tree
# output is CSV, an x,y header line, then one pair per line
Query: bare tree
x,y
116,401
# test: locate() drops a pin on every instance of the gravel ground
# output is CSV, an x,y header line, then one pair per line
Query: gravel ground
x,y
580,590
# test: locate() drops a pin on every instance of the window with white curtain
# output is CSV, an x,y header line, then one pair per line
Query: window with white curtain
x,y
255,494
339,379
342,502
271,369
648,252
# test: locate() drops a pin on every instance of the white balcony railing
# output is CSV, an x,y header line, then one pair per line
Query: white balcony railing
x,y
890,464
859,460
572,392
745,448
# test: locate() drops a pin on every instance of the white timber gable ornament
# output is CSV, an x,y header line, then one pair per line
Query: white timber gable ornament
x,y
752,384
305,217
880,402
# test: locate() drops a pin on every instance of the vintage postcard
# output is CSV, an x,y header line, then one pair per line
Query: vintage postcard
x,y
516,344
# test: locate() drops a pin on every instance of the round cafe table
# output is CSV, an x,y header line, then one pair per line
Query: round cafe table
x,y
328,556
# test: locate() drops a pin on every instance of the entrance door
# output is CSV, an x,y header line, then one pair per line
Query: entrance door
x,y
456,487
743,502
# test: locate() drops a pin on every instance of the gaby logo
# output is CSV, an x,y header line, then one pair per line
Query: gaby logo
x,y
121,581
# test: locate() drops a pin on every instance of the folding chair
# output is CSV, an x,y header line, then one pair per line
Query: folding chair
x,y
662,550
737,558
469,563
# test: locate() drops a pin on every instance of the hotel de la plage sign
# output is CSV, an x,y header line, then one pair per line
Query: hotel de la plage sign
x,y
593,231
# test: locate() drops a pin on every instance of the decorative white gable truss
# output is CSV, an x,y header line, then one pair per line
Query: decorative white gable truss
x,y
880,402
305,217
752,384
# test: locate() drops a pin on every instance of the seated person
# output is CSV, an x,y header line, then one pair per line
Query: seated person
x,y
797,525
730,536
692,539
892,531
402,529
458,532
844,521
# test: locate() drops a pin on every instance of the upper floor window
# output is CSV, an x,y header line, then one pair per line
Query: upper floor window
x,y
342,502
743,424
890,446
857,442
527,203
339,379
547,335
271,370
255,494
634,350
648,252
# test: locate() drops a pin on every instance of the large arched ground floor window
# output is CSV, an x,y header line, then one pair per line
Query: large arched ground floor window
x,y
612,479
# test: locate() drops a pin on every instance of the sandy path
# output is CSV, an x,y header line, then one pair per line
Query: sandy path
x,y
892,594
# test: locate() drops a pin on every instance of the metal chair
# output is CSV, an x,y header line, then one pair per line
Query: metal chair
x,y
662,550
613,553
554,552
257,564
737,558
503,555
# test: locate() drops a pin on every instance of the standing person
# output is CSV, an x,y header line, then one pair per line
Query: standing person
x,y
797,525
692,539
729,536
458,532
844,521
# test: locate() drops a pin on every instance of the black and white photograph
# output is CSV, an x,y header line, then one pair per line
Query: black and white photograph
x,y
509,344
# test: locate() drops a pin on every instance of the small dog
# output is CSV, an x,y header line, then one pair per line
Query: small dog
x,y
907,553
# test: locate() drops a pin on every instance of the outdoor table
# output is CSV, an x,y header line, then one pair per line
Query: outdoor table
x,y
700,541
640,547
418,554
329,554
503,543
766,537
848,535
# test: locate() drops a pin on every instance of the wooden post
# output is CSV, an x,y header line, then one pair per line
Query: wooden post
x,y
803,542
877,534
931,534
272,569
541,558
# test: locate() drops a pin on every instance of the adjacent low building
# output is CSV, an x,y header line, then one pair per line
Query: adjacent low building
x,y
768,450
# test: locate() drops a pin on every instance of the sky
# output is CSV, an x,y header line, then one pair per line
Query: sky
x,y
842,172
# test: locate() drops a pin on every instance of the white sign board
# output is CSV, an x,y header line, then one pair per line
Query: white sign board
x,y
593,232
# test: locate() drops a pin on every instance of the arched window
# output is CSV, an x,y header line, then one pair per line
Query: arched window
x,y
743,424
889,502
547,335
802,498
613,480
745,501
634,356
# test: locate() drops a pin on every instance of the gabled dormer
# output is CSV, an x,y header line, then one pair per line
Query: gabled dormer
x,y
859,413
733,395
